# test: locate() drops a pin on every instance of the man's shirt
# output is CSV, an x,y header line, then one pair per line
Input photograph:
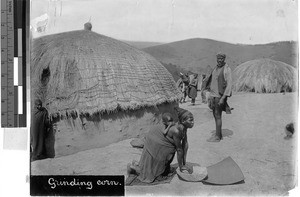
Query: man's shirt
x,y
214,88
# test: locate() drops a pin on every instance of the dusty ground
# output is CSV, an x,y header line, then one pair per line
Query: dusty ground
x,y
253,137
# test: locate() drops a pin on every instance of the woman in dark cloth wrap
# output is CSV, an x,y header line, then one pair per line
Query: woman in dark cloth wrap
x,y
193,86
161,144
39,125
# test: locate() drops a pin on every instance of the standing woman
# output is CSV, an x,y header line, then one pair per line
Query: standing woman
x,y
180,86
39,126
193,86
186,82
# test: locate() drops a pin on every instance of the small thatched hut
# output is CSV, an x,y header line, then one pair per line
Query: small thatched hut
x,y
264,76
104,89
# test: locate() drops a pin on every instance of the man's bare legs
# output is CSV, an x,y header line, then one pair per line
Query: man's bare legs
x,y
218,120
217,112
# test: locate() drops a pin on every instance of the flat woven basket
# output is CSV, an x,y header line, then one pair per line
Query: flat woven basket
x,y
199,173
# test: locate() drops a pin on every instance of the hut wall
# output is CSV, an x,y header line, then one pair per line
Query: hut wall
x,y
70,136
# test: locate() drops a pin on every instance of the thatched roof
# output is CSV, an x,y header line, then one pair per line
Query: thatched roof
x,y
265,76
85,72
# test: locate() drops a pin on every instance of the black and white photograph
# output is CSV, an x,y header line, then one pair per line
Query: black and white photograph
x,y
163,97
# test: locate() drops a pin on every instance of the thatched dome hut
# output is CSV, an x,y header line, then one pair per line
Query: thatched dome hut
x,y
264,76
83,77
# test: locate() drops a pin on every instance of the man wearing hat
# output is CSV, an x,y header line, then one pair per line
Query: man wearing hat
x,y
219,83
39,125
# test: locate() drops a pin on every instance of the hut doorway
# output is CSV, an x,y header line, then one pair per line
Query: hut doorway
x,y
45,76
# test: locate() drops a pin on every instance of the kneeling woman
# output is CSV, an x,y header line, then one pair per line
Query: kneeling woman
x,y
161,144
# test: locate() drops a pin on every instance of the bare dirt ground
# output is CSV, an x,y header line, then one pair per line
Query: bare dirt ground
x,y
253,138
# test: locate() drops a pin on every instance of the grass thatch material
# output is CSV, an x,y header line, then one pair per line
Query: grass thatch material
x,y
82,72
264,76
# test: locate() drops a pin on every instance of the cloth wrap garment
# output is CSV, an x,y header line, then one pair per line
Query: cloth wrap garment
x,y
193,88
39,125
158,153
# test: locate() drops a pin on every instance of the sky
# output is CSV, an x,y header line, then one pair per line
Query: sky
x,y
233,21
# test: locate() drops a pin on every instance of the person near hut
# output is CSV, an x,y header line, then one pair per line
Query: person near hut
x,y
220,85
193,86
203,90
168,121
180,86
160,147
186,81
40,123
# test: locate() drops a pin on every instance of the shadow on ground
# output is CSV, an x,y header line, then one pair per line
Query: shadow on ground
x,y
225,132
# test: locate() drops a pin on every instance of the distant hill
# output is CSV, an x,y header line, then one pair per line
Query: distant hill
x,y
196,54
141,45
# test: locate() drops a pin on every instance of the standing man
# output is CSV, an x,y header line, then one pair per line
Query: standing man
x,y
220,84
39,125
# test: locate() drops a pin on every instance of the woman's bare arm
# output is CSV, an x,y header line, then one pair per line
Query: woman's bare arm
x,y
177,136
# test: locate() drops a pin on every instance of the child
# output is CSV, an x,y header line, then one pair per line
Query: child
x,y
167,120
